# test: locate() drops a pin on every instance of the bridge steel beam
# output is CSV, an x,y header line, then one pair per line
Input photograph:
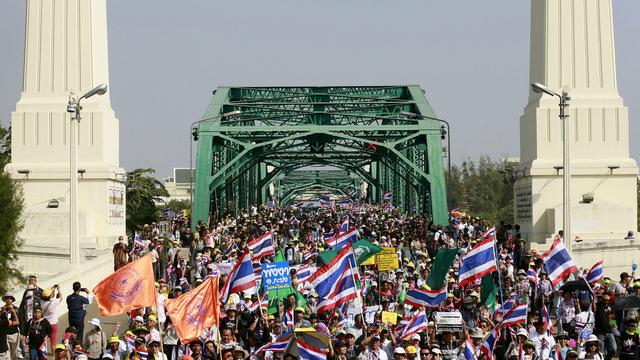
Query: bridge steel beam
x,y
282,133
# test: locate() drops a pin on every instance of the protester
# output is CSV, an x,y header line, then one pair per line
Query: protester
x,y
38,330
77,304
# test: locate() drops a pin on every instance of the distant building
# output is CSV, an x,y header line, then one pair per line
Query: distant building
x,y
178,185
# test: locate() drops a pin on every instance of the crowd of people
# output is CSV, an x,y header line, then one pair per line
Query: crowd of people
x,y
580,322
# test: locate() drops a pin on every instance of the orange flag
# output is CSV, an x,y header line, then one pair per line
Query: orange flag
x,y
194,311
131,287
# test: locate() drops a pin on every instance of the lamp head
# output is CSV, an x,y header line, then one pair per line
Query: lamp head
x,y
98,90
539,88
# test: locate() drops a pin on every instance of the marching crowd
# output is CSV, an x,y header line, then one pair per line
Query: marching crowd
x,y
438,298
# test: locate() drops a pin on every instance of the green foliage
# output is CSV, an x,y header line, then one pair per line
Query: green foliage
x,y
482,189
177,205
142,192
5,147
11,207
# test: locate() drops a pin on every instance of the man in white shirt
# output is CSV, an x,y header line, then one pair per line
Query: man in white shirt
x,y
542,341
373,351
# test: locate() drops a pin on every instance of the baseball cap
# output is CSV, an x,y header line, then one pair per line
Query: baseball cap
x,y
399,350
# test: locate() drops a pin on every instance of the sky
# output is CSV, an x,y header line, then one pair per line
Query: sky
x,y
471,57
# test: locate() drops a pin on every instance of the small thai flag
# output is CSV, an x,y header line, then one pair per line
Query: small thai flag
x,y
142,354
489,343
308,352
547,320
427,298
310,254
533,276
278,346
478,262
262,246
131,341
137,241
328,236
261,303
595,274
344,227
418,322
558,262
469,350
288,320
387,196
517,314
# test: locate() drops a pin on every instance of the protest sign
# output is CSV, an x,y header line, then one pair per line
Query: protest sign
x,y
389,317
388,259
276,275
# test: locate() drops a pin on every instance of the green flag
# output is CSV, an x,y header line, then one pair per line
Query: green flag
x,y
364,249
441,266
488,291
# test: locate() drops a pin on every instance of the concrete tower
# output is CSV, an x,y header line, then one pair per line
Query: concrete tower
x,y
572,46
65,52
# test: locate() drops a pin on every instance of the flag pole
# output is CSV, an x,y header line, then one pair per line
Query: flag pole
x,y
158,324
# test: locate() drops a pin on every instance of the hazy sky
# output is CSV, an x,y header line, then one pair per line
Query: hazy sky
x,y
471,57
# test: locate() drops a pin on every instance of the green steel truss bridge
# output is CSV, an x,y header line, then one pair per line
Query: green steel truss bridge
x,y
296,141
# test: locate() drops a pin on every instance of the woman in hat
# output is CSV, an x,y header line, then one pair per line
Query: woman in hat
x,y
95,340
592,348
529,350
153,348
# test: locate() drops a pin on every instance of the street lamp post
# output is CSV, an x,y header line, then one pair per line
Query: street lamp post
x,y
566,164
74,108
193,135
443,132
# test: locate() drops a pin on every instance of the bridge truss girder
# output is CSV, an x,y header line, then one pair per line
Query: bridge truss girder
x,y
281,130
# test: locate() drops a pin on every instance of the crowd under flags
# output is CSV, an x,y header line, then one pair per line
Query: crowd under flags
x,y
334,282
427,298
262,246
595,274
418,322
469,350
131,287
309,352
241,278
516,315
489,343
478,262
558,263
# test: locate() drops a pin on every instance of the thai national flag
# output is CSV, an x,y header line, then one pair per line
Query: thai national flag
x,y
344,227
428,298
143,355
137,241
558,262
328,236
308,352
402,324
131,341
418,322
262,246
233,246
490,232
241,278
533,276
325,200
478,262
489,343
595,274
547,320
263,302
335,282
310,254
278,346
304,273
340,240
469,350
387,196
288,321
505,307
257,270
517,314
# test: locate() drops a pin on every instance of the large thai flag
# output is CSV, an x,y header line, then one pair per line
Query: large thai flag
x,y
344,227
304,273
558,262
517,314
504,308
340,240
241,278
308,352
490,232
595,274
427,298
478,262
278,346
334,282
469,350
262,246
532,276
489,343
418,322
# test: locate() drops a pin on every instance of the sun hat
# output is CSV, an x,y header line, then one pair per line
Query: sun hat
x,y
95,322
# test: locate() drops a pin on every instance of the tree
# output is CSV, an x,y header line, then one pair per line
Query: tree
x,y
5,147
11,207
176,205
143,191
483,189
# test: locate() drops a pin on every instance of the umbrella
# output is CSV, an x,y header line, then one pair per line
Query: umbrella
x,y
628,302
309,336
575,285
